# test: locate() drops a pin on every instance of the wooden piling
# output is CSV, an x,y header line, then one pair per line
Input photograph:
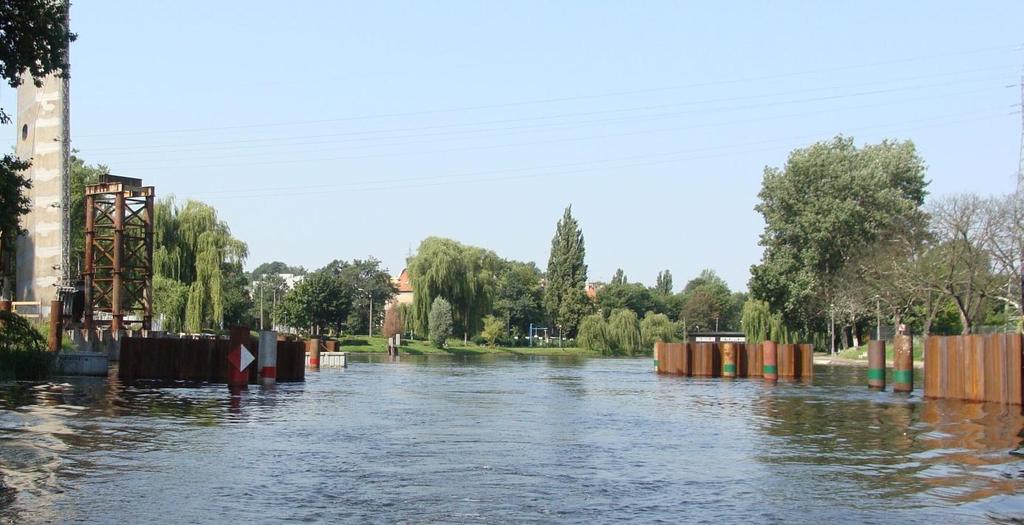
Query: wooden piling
x,y
56,329
876,364
728,351
313,348
903,364
769,353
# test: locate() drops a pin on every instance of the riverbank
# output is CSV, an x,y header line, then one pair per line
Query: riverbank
x,y
378,345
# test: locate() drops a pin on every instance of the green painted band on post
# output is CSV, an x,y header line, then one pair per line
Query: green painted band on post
x,y
877,374
731,369
655,363
771,369
903,376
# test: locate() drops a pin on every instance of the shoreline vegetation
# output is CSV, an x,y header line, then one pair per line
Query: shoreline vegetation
x,y
378,345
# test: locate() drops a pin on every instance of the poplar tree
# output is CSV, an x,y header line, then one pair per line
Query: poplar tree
x,y
664,283
565,299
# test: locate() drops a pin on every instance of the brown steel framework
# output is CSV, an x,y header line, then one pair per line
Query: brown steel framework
x,y
118,253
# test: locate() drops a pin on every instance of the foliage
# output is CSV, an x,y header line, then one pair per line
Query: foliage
x,y
238,302
440,322
657,327
593,334
35,39
633,296
23,352
619,277
13,204
320,303
170,298
369,283
831,202
267,289
195,248
623,332
565,299
276,268
405,313
663,285
707,302
82,175
519,297
463,275
760,324
493,328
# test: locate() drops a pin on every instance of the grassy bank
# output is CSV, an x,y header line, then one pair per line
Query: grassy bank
x,y
860,353
379,345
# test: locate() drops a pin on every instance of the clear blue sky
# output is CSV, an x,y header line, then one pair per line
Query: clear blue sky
x,y
340,130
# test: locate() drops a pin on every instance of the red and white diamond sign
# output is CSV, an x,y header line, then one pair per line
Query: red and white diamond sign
x,y
240,358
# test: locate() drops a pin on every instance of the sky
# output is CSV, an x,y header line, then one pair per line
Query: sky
x,y
343,130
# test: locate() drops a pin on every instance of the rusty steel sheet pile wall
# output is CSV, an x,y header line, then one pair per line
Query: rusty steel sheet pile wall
x,y
198,360
705,360
974,368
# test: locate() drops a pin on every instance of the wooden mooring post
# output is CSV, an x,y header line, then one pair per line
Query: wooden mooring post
x,y
876,364
903,363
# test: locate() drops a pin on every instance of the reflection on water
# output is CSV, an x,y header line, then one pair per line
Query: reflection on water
x,y
497,439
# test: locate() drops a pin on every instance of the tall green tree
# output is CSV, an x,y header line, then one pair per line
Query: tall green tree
x,y
34,39
619,277
829,203
664,283
565,299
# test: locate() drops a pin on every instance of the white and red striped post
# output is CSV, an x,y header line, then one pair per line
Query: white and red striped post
x,y
268,357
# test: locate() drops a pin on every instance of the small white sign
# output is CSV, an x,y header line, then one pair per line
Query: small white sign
x,y
245,358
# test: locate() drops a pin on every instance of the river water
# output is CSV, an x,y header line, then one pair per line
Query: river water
x,y
498,440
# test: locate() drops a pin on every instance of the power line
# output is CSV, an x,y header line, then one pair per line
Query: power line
x,y
357,136
1003,48
580,167
518,144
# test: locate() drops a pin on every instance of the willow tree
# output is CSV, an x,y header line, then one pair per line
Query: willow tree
x,y
192,248
463,275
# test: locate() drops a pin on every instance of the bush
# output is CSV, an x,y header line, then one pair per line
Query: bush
x,y
440,322
393,322
493,329
23,352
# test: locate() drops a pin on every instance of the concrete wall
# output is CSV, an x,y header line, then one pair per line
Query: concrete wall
x,y
39,130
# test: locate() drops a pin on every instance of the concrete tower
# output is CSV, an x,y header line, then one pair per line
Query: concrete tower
x,y
42,128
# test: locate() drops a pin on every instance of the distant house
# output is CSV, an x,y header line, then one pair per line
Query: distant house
x,y
592,288
404,286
